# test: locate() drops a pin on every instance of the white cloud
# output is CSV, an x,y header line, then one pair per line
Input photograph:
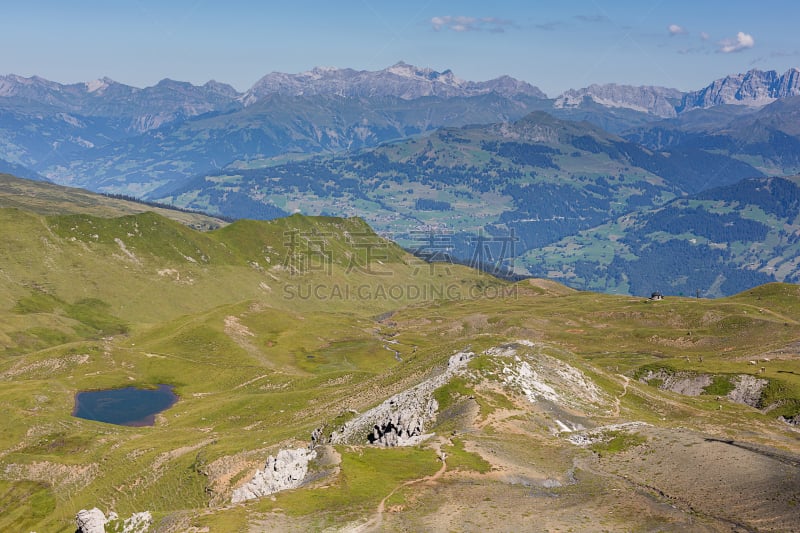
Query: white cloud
x,y
743,40
704,36
674,29
438,22
462,24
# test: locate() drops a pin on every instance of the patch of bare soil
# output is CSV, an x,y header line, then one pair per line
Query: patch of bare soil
x,y
61,476
550,287
46,367
593,504
788,352
241,335
729,482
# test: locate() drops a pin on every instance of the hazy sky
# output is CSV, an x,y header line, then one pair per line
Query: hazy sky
x,y
554,45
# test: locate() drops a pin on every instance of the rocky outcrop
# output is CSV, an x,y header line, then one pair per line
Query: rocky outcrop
x,y
94,521
138,523
91,521
317,436
685,383
791,420
284,471
746,389
538,376
402,419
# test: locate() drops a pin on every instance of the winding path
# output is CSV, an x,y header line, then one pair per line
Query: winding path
x,y
375,522
618,399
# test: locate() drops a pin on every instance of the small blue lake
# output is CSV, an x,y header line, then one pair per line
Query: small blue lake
x,y
125,407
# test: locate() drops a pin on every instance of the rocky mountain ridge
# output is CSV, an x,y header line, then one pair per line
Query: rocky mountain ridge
x,y
132,109
152,107
659,101
400,80
754,88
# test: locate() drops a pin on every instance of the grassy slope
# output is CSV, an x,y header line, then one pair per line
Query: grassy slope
x,y
48,199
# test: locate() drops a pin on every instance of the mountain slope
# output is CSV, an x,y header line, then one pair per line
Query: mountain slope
x,y
50,199
108,136
539,178
103,134
718,242
768,138
275,125
133,109
46,125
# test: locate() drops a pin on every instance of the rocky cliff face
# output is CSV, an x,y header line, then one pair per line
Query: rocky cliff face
x,y
658,101
402,419
284,471
753,88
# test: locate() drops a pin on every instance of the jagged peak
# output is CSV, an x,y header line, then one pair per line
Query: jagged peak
x,y
754,88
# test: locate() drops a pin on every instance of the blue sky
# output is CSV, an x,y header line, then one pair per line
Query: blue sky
x,y
552,44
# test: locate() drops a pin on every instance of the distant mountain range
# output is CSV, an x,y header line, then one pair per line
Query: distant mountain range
x,y
409,148
128,108
400,81
107,136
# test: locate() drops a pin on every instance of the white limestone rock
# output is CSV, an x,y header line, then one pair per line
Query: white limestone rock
x,y
401,420
138,523
91,521
284,471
